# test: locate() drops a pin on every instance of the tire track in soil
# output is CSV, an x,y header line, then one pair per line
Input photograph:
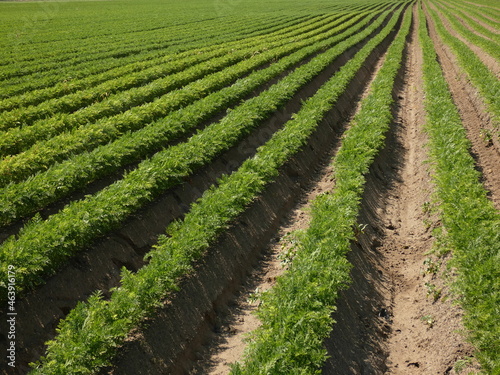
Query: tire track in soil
x,y
474,117
386,323
239,319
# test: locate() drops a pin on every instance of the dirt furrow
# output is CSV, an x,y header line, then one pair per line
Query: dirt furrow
x,y
228,344
388,321
478,124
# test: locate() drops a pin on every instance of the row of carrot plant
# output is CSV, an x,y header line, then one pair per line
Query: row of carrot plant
x,y
485,80
471,222
117,50
489,14
468,16
489,46
136,42
64,88
474,11
46,78
88,337
110,97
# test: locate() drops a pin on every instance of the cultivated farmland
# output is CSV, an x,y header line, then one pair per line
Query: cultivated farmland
x,y
214,187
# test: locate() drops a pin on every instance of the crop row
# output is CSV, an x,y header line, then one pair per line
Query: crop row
x,y
42,246
53,51
155,38
296,313
146,83
471,222
118,50
37,96
65,51
88,51
485,15
489,46
490,9
84,69
474,24
112,104
18,200
90,333
86,138
480,76
188,26
86,33
469,8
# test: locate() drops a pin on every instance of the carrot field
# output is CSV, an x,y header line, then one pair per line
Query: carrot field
x,y
250,187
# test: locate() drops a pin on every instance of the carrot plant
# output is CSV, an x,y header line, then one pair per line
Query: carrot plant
x,y
85,138
151,67
65,77
486,82
143,86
